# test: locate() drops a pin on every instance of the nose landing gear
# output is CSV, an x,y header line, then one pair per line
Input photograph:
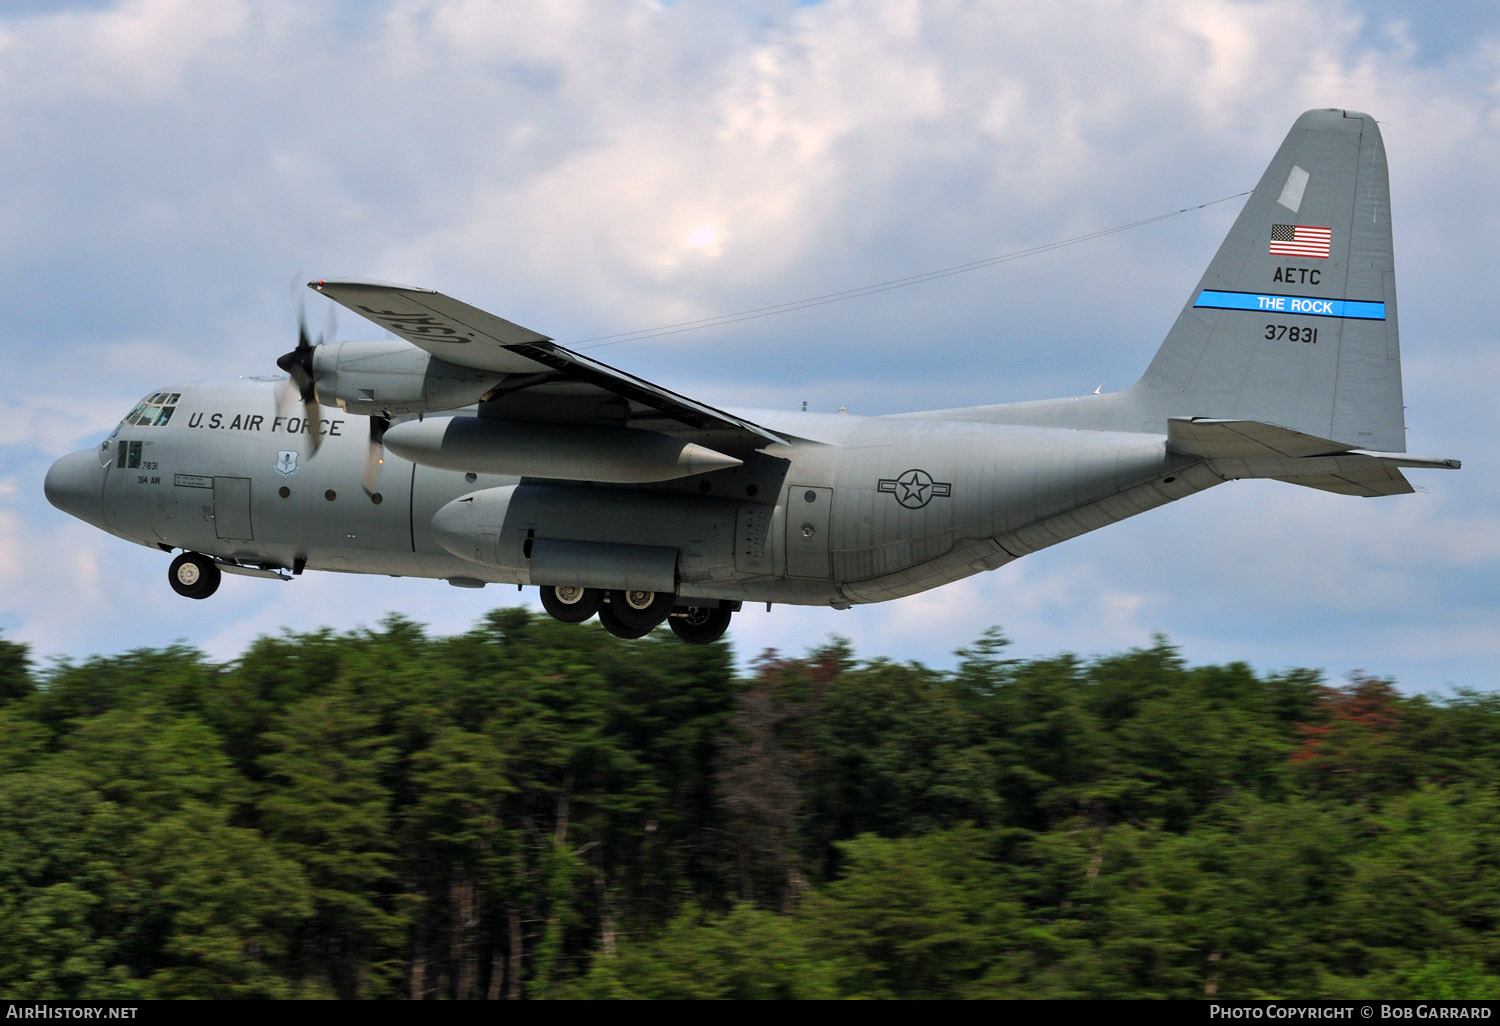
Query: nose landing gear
x,y
193,575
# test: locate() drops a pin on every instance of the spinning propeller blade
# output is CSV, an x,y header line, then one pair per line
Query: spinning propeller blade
x,y
298,365
375,455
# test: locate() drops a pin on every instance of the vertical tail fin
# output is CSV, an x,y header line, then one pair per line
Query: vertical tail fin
x,y
1294,322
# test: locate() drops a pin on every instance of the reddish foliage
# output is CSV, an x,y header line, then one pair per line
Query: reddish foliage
x,y
1368,705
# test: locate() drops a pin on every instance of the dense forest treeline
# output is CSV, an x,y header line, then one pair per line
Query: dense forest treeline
x,y
536,810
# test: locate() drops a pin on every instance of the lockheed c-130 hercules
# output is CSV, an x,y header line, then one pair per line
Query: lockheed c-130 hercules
x,y
512,459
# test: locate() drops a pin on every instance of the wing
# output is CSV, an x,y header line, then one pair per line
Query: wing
x,y
542,381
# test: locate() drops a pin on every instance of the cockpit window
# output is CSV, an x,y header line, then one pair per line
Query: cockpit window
x,y
154,410
128,454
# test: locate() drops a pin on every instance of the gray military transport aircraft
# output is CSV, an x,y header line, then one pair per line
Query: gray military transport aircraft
x,y
515,460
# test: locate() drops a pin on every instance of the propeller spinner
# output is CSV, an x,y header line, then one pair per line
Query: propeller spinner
x,y
298,365
302,384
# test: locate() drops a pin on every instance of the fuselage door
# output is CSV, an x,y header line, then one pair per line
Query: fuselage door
x,y
807,514
232,508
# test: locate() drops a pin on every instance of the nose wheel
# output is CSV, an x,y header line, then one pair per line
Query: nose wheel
x,y
193,575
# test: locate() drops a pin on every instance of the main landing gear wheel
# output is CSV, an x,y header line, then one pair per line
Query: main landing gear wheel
x,y
700,625
569,603
619,628
194,575
642,610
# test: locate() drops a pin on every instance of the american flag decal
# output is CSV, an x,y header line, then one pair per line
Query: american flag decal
x,y
1300,240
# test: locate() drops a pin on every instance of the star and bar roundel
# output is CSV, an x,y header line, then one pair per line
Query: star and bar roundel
x,y
915,488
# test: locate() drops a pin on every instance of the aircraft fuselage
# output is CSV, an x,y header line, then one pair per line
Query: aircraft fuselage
x,y
876,508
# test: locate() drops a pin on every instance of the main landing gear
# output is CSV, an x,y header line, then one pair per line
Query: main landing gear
x,y
700,625
194,575
633,614
571,604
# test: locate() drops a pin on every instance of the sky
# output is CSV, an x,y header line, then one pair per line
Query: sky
x,y
171,167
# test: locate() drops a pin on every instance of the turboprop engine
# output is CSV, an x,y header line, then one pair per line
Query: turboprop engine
x,y
392,377
568,452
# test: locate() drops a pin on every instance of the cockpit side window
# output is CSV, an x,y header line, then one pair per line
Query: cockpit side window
x,y
128,454
154,410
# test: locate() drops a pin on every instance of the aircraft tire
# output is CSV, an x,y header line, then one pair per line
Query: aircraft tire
x,y
612,623
583,605
641,609
701,625
194,576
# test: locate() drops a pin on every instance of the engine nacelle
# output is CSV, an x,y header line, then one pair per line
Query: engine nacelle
x,y
392,377
570,452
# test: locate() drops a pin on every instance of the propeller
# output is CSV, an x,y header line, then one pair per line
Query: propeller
x,y
298,365
375,455
301,385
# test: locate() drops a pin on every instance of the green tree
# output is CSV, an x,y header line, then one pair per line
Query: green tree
x,y
897,752
324,806
226,907
64,896
15,672
744,954
460,853
919,917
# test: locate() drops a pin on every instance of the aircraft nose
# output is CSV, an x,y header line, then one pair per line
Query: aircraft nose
x,y
75,485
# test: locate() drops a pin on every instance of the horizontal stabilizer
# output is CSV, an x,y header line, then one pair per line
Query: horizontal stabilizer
x,y
1369,479
1234,439
1249,448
